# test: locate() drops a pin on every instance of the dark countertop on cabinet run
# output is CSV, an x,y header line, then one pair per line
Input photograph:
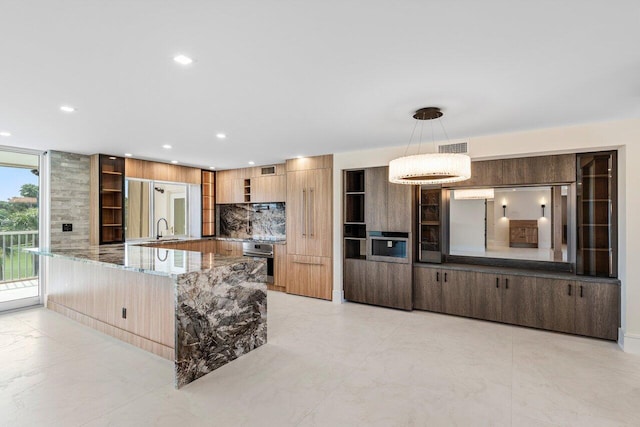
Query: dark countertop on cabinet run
x,y
238,239
518,272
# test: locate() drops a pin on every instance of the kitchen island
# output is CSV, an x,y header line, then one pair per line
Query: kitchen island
x,y
200,310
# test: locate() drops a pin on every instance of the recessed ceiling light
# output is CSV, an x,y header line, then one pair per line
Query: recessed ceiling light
x,y
166,146
252,162
67,108
182,59
221,135
128,154
5,133
212,167
174,161
299,157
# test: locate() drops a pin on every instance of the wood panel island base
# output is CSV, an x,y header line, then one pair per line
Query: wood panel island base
x,y
199,310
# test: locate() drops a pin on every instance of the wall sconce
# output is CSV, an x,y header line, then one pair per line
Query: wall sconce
x,y
542,206
504,210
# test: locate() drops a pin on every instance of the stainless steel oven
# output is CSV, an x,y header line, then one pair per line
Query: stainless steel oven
x,y
260,250
388,246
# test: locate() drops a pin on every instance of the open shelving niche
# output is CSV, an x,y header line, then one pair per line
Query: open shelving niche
x,y
355,230
111,170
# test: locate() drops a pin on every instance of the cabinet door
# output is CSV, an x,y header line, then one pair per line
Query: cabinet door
x,y
280,265
483,173
377,279
520,301
598,310
296,212
540,170
375,184
557,304
268,189
456,295
486,296
399,206
399,286
427,289
355,280
319,213
309,276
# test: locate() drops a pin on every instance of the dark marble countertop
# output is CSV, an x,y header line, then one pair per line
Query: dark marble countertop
x,y
144,259
518,272
253,240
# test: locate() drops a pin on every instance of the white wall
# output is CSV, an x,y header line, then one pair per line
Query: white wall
x,y
466,225
522,205
622,135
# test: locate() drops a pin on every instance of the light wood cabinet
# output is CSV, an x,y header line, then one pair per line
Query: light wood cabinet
x,y
107,176
229,187
309,212
268,189
280,266
208,199
309,227
228,247
309,276
144,169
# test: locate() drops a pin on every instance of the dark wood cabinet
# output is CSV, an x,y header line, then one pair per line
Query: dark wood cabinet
x,y
378,283
486,173
486,296
456,295
399,202
520,301
521,171
556,300
427,289
597,251
597,310
539,170
556,304
376,180
355,280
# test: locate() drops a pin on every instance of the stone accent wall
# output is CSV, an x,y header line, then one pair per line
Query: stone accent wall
x,y
69,187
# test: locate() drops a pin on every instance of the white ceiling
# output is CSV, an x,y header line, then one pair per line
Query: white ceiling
x,y
286,77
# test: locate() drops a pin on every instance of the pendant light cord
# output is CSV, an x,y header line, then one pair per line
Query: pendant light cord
x,y
406,150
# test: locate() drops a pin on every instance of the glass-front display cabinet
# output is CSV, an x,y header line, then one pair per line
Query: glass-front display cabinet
x,y
430,224
597,214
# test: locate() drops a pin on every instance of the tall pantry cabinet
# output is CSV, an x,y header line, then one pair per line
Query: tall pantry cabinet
x,y
309,231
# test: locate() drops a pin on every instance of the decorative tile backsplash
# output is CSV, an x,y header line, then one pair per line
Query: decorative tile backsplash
x,y
252,220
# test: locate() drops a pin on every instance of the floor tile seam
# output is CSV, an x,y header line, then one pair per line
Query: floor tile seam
x,y
128,402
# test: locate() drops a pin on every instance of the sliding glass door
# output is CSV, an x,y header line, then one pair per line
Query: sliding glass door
x,y
19,228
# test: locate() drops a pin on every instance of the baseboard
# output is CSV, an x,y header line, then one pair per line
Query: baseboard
x,y
338,296
128,337
631,343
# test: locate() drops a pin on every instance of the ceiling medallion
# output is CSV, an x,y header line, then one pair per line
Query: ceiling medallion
x,y
431,168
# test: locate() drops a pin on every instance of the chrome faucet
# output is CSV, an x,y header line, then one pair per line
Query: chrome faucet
x,y
166,225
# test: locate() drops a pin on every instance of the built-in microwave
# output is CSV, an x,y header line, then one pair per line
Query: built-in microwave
x,y
388,246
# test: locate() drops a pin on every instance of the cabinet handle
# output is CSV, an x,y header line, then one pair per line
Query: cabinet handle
x,y
569,289
304,213
581,291
445,277
312,204
307,263
437,276
506,283
497,282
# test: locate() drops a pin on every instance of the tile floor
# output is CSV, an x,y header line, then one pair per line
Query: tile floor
x,y
324,365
